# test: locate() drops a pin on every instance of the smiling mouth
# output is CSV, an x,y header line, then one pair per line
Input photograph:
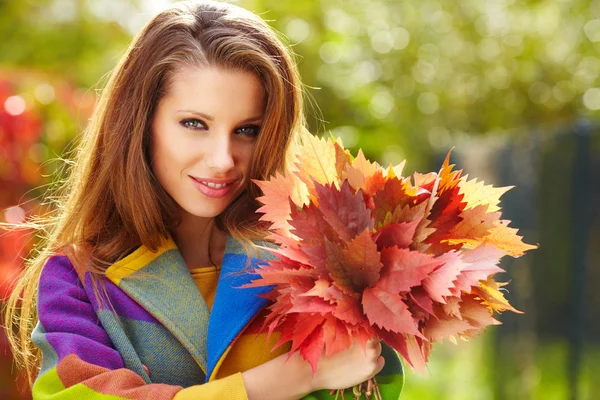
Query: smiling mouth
x,y
216,185
213,189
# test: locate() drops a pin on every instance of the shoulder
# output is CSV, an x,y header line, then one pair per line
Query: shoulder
x,y
58,270
69,260
58,266
59,275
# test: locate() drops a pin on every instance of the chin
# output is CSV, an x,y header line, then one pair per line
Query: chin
x,y
205,212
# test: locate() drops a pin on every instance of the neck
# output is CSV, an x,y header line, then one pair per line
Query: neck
x,y
199,241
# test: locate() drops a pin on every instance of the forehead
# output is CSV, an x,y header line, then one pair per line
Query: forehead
x,y
215,90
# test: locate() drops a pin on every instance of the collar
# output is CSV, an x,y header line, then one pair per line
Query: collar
x,y
162,284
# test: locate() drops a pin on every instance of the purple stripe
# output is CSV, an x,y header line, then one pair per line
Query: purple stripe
x,y
124,305
68,318
86,349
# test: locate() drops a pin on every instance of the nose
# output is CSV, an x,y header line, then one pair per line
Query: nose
x,y
220,155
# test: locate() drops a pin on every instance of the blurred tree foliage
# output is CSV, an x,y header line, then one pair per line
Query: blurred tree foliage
x,y
407,77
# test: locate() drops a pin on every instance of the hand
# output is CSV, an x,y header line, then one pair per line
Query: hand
x,y
284,379
349,367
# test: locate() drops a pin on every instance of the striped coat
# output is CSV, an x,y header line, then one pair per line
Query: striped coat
x,y
155,338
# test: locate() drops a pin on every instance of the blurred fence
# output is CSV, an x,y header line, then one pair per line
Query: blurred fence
x,y
552,348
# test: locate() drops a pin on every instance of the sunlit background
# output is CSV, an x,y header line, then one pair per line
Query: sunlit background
x,y
512,85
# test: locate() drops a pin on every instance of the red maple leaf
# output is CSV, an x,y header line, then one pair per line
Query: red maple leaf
x,y
387,310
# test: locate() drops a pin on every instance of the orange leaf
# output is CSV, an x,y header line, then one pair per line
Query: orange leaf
x,y
438,329
359,172
277,193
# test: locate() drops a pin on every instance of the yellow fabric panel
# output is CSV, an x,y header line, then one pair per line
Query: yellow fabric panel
x,y
206,279
136,261
231,388
249,351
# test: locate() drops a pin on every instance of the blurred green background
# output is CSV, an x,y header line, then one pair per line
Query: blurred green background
x,y
512,85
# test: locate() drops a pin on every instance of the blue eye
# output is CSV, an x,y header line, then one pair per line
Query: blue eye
x,y
192,123
250,130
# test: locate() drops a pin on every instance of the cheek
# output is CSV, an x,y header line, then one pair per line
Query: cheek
x,y
245,156
169,151
164,160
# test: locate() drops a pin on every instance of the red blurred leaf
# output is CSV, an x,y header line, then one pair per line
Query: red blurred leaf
x,y
422,299
305,325
317,305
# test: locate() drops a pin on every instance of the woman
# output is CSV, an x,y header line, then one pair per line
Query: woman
x,y
137,287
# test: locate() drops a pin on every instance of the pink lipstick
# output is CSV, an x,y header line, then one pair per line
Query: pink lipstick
x,y
214,188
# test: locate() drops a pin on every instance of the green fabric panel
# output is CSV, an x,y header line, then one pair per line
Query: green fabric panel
x,y
50,387
166,289
122,343
168,361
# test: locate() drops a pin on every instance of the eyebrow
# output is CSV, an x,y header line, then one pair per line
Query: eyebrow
x,y
210,118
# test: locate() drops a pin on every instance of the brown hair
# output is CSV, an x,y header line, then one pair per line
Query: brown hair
x,y
111,202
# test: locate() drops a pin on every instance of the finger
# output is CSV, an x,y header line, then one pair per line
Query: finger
x,y
373,343
377,348
380,364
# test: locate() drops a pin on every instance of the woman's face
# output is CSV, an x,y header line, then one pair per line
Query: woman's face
x,y
203,134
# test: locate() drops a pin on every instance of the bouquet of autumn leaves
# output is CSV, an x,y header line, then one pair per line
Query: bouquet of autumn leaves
x,y
365,252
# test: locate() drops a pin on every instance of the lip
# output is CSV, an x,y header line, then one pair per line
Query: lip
x,y
210,191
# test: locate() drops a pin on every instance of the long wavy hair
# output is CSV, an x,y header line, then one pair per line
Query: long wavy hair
x,y
111,203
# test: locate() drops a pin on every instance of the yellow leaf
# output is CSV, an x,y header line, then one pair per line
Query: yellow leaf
x,y
501,236
476,224
506,238
317,161
476,193
394,171
492,297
